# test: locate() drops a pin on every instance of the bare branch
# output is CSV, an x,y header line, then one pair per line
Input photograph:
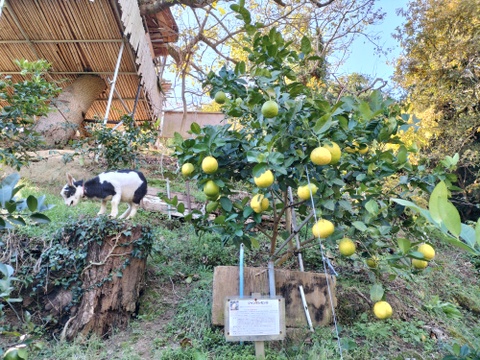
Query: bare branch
x,y
320,5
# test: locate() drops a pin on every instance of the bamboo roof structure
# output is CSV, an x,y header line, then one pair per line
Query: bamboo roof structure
x,y
85,37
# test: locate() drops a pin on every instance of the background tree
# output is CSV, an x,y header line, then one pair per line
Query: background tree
x,y
214,36
440,71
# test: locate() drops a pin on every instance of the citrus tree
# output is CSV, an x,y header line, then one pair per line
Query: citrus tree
x,y
335,165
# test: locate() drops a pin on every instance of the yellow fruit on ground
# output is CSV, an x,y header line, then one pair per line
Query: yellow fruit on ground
x,y
220,97
187,169
419,264
270,109
323,228
264,180
211,189
427,250
382,310
320,156
346,247
209,165
258,203
335,151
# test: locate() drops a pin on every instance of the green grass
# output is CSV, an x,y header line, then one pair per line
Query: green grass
x,y
174,319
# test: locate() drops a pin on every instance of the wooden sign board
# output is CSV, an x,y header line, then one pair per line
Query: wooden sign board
x,y
254,318
317,294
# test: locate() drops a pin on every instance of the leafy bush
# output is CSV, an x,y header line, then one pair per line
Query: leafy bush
x,y
26,100
118,146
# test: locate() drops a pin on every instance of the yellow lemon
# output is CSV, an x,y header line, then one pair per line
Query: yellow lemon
x,y
304,191
187,169
270,109
363,149
346,247
220,97
335,151
265,204
209,165
419,264
320,156
257,203
211,189
323,228
382,310
427,250
264,180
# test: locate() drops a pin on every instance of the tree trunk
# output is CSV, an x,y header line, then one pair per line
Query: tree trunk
x,y
59,126
112,283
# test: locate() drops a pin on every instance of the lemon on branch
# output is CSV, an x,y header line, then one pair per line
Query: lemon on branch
x,y
419,264
427,250
335,152
209,165
220,97
346,247
382,310
304,191
211,189
323,228
259,203
321,156
264,180
270,109
187,169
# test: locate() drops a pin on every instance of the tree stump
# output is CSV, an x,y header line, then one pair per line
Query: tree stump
x,y
112,283
59,126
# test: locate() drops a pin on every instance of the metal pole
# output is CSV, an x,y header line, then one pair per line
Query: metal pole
x,y
112,88
168,205
240,277
271,279
295,230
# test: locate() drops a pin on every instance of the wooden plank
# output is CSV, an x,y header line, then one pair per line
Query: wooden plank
x,y
225,283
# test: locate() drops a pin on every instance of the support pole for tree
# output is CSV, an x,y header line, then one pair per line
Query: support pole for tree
x,y
112,84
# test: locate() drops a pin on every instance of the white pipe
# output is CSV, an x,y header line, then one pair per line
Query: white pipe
x,y
305,307
112,88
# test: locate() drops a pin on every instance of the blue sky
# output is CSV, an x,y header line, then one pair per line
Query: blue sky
x,y
363,58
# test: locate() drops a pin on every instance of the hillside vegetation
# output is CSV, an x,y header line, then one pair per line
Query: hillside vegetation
x,y
436,311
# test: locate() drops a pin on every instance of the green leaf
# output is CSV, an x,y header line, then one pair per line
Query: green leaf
x,y
404,245
181,208
305,45
439,192
226,204
32,203
360,225
195,128
198,148
40,218
468,234
365,110
372,207
477,232
450,217
376,292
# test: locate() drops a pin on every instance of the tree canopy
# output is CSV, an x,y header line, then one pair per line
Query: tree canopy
x,y
440,71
